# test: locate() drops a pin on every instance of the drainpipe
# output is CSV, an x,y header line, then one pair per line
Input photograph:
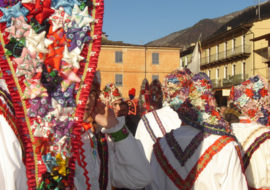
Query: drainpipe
x,y
253,49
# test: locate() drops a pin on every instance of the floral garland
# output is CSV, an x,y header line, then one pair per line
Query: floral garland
x,y
252,98
110,93
192,98
49,51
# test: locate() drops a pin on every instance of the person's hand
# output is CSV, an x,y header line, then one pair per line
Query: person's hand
x,y
104,116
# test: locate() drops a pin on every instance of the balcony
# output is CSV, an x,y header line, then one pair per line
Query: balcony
x,y
230,81
230,55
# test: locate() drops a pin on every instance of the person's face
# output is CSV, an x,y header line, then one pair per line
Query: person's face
x,y
116,107
123,110
89,108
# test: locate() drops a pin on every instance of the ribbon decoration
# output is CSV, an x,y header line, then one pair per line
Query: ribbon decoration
x,y
62,128
14,11
66,4
40,10
38,28
28,64
39,107
77,36
8,3
60,112
73,57
37,42
66,98
70,77
50,80
49,161
19,28
34,89
42,145
60,19
15,47
55,50
81,18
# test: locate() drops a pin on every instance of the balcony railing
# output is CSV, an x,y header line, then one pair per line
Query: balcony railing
x,y
230,53
230,81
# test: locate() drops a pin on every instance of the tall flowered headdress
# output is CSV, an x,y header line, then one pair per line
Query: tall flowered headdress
x,y
156,97
252,98
110,94
144,98
192,98
48,56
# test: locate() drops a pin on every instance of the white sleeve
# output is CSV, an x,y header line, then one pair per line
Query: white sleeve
x,y
12,169
234,178
147,142
128,165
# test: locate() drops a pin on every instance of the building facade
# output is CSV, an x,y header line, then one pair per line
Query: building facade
x,y
233,56
128,65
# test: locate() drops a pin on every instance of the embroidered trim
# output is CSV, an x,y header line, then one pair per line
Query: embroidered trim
x,y
188,182
149,129
7,99
104,160
253,147
252,134
119,135
159,122
240,157
180,155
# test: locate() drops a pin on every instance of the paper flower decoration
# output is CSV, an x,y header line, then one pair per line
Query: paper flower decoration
x,y
9,3
37,42
28,64
55,50
42,145
77,37
66,98
50,80
62,165
14,11
15,47
33,89
38,28
40,10
60,19
49,161
19,28
60,112
73,57
66,4
39,107
62,147
81,18
69,79
62,128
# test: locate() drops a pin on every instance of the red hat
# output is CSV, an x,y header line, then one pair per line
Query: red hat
x,y
132,92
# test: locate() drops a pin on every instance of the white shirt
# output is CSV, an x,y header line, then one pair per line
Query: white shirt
x,y
258,170
12,169
170,120
223,172
128,166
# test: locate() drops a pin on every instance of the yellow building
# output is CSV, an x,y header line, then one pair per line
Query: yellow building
x,y
233,56
128,65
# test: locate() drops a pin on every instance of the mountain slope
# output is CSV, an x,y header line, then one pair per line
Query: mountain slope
x,y
205,27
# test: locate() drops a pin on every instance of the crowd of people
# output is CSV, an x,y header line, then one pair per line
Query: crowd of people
x,y
173,136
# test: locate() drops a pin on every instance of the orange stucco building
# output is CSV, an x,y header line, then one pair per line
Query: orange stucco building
x,y
128,65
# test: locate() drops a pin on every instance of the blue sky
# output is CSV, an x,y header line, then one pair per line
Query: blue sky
x,y
142,21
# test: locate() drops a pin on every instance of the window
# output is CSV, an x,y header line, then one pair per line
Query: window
x,y
233,70
217,51
233,45
118,79
209,74
118,57
217,73
155,58
154,77
243,70
225,72
243,43
225,49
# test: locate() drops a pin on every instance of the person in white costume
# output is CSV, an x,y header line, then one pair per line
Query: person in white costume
x,y
12,169
252,131
202,153
113,157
